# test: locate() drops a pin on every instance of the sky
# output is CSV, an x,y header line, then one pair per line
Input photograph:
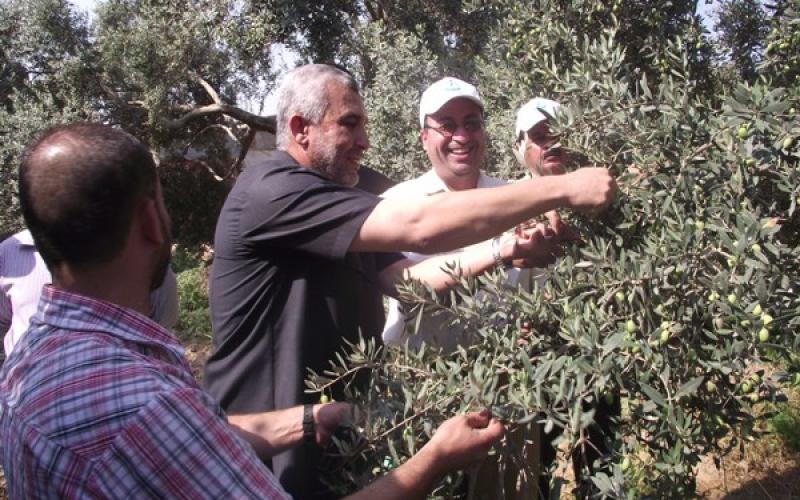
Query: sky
x,y
85,5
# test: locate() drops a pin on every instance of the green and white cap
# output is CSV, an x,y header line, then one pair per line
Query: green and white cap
x,y
444,91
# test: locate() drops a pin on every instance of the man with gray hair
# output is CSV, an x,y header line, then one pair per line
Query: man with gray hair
x,y
296,246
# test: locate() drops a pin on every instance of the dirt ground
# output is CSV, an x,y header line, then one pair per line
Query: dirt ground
x,y
765,471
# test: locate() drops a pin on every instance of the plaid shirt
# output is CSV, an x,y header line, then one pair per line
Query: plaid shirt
x,y
98,401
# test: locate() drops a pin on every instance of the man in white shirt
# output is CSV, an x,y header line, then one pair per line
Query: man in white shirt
x,y
453,136
22,275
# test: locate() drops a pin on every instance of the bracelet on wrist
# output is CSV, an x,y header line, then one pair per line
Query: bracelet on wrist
x,y
498,258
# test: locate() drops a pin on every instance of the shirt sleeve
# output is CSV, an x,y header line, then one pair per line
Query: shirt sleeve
x,y
180,446
298,209
164,302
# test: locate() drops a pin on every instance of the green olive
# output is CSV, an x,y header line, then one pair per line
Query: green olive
x,y
742,132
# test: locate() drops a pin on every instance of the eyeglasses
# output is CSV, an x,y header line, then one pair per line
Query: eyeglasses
x,y
542,137
449,129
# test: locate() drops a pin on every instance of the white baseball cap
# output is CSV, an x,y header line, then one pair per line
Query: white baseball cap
x,y
444,91
533,112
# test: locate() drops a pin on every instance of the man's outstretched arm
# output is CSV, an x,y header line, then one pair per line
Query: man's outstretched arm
x,y
459,442
447,221
536,246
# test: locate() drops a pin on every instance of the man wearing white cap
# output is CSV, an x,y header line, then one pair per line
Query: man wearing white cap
x,y
535,148
533,145
453,136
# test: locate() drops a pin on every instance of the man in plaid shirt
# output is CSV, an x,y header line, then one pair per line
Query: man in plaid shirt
x,y
97,400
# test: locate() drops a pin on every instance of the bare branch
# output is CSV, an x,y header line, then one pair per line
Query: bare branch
x,y
111,94
253,121
246,143
208,88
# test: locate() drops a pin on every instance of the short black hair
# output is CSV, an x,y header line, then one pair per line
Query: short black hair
x,y
78,187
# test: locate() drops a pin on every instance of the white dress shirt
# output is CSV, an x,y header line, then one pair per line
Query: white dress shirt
x,y
23,273
432,327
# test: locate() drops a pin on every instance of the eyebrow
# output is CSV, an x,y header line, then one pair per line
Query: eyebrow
x,y
351,116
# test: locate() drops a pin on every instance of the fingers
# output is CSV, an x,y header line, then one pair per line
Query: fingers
x,y
488,430
328,416
555,221
593,190
478,420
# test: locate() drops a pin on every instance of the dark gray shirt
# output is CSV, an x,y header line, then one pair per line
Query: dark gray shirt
x,y
286,294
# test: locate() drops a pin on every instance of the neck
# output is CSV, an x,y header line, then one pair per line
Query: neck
x,y
299,154
106,282
462,183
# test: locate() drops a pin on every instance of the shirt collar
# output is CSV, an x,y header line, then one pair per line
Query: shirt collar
x,y
70,311
431,183
25,238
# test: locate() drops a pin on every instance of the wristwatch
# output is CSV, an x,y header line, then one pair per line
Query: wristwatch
x,y
309,432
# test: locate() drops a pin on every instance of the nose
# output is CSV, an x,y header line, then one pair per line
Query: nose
x,y
362,139
461,133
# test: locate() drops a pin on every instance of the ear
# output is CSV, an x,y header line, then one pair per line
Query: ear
x,y
298,127
519,151
150,221
423,135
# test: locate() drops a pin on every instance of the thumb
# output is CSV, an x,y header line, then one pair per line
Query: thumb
x,y
478,420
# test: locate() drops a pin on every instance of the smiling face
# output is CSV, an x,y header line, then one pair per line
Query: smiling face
x,y
338,142
457,160
540,158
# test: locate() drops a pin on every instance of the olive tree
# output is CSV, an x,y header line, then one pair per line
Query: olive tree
x,y
671,302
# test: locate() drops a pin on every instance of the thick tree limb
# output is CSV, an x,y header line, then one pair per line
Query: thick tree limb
x,y
208,88
253,121
246,143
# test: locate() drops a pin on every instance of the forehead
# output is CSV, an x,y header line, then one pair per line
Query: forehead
x,y
457,109
343,101
540,128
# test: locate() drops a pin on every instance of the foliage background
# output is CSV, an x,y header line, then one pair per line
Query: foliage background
x,y
701,251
